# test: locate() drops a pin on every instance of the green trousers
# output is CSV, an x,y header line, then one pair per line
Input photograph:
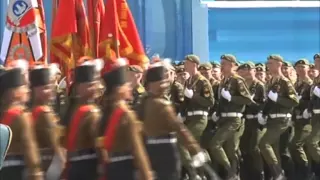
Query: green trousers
x,y
302,129
225,143
314,139
250,144
196,125
269,144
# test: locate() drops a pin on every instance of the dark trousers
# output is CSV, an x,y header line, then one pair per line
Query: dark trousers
x,y
165,160
13,172
83,170
120,170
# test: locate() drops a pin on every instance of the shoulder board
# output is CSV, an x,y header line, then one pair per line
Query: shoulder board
x,y
202,77
140,89
236,76
309,81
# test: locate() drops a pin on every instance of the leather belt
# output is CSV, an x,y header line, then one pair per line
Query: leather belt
x,y
272,116
251,116
231,114
197,113
83,157
13,160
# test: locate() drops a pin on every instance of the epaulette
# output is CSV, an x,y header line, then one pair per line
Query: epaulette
x,y
201,77
140,89
236,76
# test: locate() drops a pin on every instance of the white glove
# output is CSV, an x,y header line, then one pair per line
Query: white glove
x,y
199,159
214,117
316,91
299,97
181,118
252,96
306,114
262,120
273,96
188,93
226,94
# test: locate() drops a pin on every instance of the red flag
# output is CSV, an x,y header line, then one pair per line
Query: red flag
x,y
128,26
70,35
96,12
113,42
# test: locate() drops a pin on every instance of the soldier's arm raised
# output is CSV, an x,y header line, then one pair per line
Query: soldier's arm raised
x,y
30,148
206,97
290,98
139,152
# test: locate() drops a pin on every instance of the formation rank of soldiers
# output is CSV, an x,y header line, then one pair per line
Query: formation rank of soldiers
x,y
246,121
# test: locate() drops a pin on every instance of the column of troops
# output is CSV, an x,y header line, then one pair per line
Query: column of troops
x,y
187,121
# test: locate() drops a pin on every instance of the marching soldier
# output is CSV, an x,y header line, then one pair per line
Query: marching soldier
x,y
313,71
287,70
261,72
280,102
182,75
216,71
233,96
175,91
120,141
82,127
314,138
301,117
23,152
161,126
44,119
253,163
198,99
135,76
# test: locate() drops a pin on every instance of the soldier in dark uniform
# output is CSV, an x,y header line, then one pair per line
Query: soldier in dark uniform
x,y
252,160
233,96
23,152
301,118
135,76
120,134
198,99
161,126
261,72
82,127
314,138
280,102
313,72
44,118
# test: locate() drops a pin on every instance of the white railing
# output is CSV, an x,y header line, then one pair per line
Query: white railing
x,y
261,4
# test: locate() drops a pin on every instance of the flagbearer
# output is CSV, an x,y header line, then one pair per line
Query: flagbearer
x,y
23,152
82,127
44,119
120,132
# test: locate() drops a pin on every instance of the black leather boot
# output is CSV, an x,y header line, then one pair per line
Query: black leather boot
x,y
277,172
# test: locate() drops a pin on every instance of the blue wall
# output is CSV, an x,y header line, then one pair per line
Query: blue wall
x,y
253,34
172,28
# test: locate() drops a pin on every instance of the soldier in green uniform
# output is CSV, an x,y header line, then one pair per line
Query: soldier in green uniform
x,y
280,102
301,118
182,75
313,72
261,72
135,76
287,71
175,92
233,96
216,71
198,99
252,161
314,138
